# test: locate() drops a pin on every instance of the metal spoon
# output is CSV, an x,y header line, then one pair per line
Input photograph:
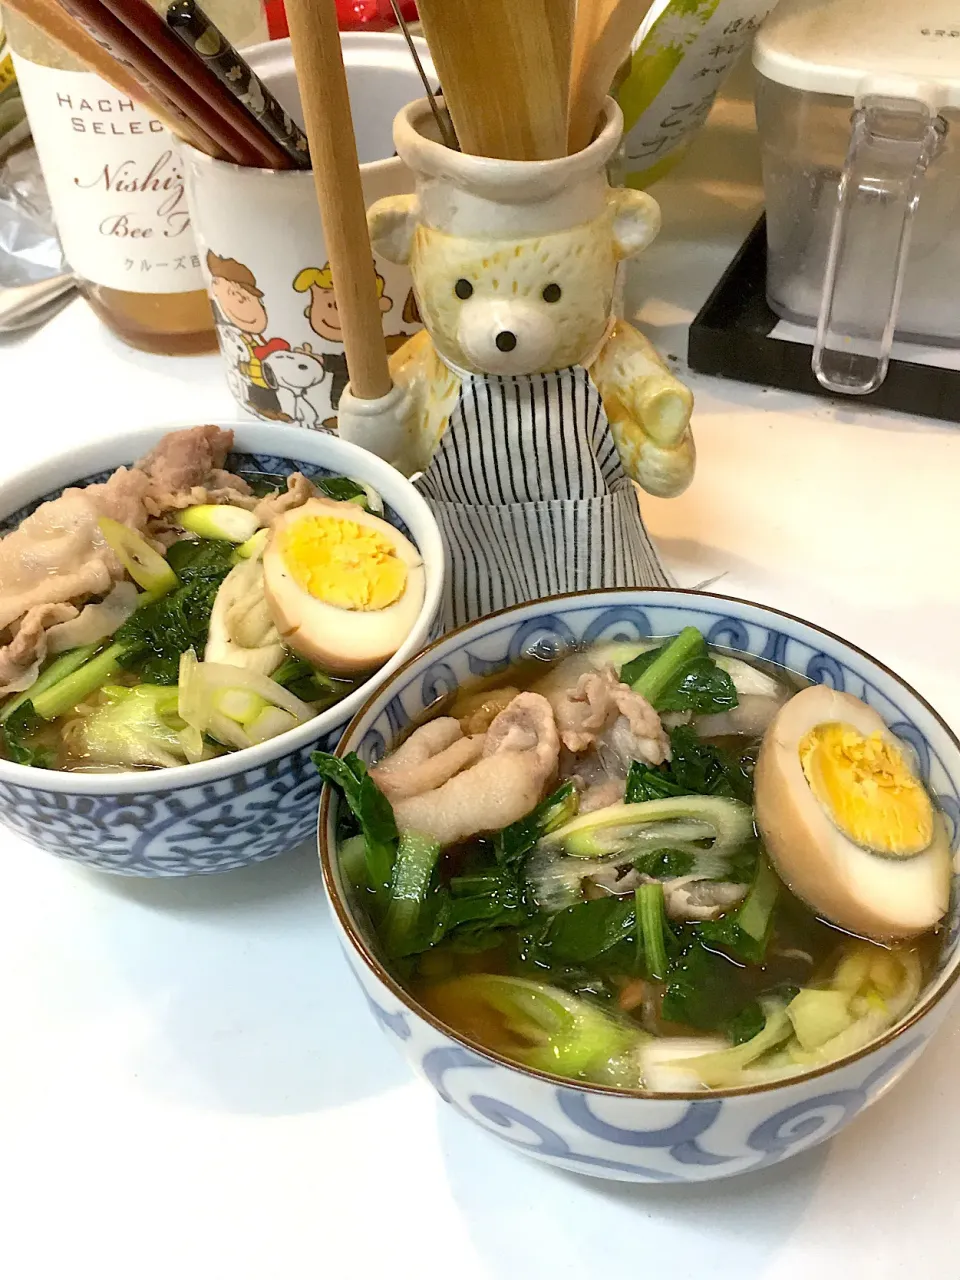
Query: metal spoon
x,y
27,305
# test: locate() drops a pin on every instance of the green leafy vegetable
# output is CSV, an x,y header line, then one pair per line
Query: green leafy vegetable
x,y
155,637
666,864
208,559
681,676
583,933
703,990
263,484
340,489
745,933
516,841
700,768
748,1023
647,783
697,768
311,685
19,735
371,809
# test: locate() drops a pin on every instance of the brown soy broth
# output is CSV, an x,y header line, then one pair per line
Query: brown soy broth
x,y
803,950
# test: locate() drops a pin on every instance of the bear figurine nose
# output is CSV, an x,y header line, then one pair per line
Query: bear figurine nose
x,y
506,341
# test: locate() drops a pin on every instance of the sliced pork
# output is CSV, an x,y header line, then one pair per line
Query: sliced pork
x,y
20,659
431,756
520,754
186,469
299,491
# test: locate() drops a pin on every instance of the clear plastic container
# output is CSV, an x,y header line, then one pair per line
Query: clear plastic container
x,y
858,126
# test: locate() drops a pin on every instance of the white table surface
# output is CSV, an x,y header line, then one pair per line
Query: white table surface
x,y
190,1084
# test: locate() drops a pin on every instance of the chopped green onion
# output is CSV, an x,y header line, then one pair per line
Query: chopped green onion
x,y
818,1016
255,546
241,705
231,524
145,566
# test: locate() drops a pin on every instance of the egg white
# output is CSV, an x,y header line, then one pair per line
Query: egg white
x,y
343,641
875,896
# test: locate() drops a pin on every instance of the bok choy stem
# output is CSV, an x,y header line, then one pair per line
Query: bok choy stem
x,y
652,682
650,928
81,683
412,873
58,670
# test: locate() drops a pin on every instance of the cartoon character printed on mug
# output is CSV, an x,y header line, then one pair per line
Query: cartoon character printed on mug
x,y
242,321
324,318
297,376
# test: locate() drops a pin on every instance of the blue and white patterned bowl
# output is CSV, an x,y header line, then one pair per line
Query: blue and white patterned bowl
x,y
241,808
639,1137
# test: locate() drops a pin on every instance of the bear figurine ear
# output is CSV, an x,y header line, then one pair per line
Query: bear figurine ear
x,y
636,221
392,223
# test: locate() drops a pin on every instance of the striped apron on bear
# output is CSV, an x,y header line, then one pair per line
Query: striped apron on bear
x,y
531,498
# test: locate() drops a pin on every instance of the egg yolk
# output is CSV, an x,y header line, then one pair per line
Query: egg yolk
x,y
868,789
343,563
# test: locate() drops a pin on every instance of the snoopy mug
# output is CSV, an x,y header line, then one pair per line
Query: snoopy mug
x,y
262,249
526,410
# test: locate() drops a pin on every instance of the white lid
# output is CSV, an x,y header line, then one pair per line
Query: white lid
x,y
851,48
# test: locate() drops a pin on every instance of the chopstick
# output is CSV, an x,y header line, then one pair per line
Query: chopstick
x,y
317,55
50,18
204,39
604,32
134,34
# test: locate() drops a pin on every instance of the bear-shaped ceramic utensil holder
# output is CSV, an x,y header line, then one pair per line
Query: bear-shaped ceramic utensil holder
x,y
525,409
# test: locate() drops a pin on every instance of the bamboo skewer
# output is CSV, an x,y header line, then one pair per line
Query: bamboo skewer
x,y
315,39
499,74
49,18
604,32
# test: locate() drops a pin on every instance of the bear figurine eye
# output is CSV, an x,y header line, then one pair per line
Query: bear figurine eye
x,y
463,289
552,293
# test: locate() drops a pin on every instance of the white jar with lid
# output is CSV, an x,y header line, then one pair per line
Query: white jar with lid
x,y
858,104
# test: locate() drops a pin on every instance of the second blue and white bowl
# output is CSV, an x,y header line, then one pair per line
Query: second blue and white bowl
x,y
240,808
635,1136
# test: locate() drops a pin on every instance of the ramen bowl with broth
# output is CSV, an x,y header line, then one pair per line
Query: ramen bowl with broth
x,y
241,801
620,963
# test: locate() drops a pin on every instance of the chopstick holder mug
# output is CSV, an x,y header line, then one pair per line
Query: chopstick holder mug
x,y
526,410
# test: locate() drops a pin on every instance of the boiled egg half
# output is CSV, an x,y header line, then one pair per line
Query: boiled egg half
x,y
847,822
344,587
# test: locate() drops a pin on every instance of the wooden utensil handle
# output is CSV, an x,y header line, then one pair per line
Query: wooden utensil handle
x,y
315,38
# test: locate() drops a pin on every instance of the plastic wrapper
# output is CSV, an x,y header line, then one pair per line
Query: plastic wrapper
x,y
29,248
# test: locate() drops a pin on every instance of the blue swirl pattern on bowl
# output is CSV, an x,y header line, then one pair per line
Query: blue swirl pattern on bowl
x,y
169,824
646,1138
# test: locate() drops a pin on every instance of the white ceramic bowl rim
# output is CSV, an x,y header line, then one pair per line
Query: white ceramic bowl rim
x,y
938,990
110,452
